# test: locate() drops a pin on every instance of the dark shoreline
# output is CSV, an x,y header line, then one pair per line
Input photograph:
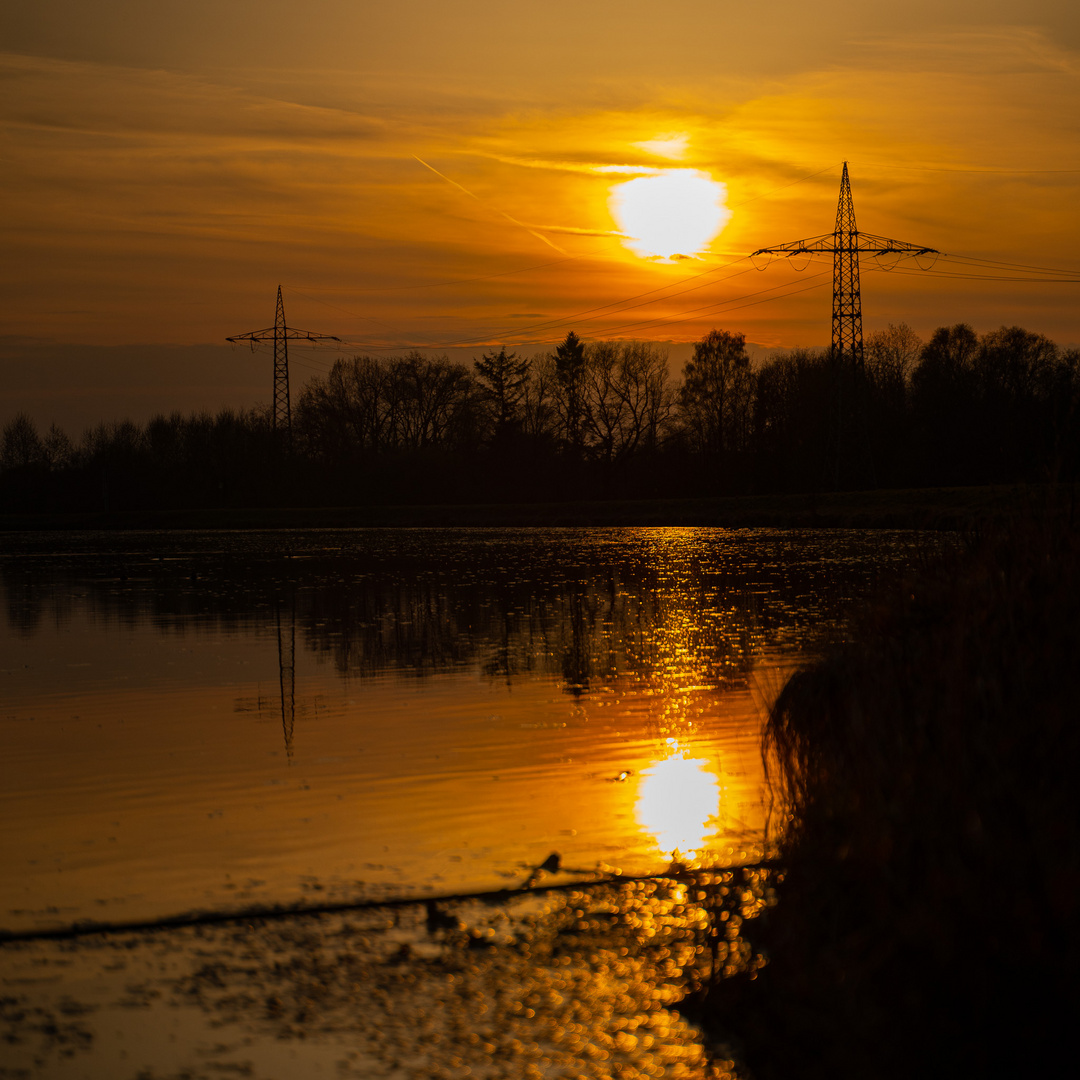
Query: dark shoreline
x,y
917,508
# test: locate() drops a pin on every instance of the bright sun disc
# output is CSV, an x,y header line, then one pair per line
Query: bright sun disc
x,y
672,213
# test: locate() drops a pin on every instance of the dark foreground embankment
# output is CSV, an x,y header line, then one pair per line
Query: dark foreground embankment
x,y
923,508
927,923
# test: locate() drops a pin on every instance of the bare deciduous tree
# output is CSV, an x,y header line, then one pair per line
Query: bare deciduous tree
x,y
890,355
370,404
21,446
628,404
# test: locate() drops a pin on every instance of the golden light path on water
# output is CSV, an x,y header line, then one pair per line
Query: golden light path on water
x,y
678,801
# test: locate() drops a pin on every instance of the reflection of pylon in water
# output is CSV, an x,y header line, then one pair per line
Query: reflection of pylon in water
x,y
845,243
286,648
576,659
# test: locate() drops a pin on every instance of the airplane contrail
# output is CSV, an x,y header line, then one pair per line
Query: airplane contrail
x,y
519,224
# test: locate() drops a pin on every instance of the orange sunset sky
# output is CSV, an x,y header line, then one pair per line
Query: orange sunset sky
x,y
439,175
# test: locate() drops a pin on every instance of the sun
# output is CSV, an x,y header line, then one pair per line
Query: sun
x,y
674,212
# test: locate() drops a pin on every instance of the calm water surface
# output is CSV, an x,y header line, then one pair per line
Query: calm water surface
x,y
208,720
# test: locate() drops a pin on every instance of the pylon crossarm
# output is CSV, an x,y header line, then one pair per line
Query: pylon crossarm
x,y
288,332
861,243
882,245
815,244
308,335
254,335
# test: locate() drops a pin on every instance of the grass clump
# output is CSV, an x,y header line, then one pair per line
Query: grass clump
x,y
927,769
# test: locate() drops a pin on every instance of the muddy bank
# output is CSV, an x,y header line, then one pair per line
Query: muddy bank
x,y
582,982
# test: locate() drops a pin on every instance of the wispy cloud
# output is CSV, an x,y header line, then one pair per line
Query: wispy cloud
x,y
587,168
571,230
990,50
529,229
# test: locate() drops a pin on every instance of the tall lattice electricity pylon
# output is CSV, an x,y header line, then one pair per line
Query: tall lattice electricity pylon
x,y
846,244
280,335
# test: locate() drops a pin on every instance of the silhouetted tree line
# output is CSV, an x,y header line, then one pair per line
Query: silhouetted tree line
x,y
175,461
591,420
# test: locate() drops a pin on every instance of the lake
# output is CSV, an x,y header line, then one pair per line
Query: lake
x,y
218,721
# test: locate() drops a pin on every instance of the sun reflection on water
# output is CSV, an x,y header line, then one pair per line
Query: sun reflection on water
x,y
678,802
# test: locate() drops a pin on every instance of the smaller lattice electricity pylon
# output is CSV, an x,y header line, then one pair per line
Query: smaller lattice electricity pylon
x,y
280,335
845,243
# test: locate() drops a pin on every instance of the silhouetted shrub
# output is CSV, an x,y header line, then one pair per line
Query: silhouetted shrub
x,y
926,769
